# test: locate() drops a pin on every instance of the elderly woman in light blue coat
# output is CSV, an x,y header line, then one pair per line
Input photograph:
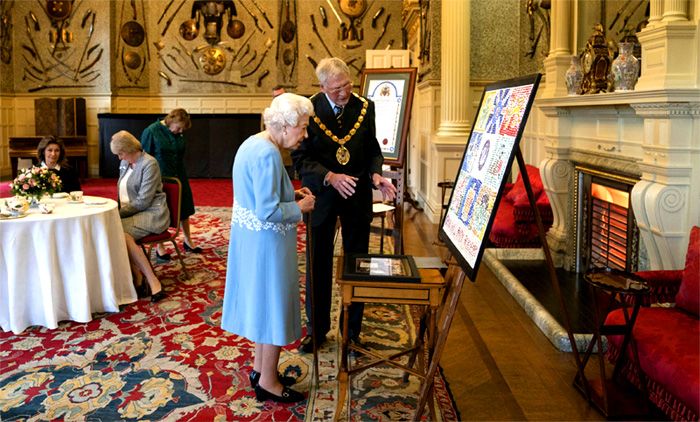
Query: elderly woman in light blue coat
x,y
142,206
261,300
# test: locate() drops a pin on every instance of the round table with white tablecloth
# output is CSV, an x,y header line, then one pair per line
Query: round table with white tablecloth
x,y
63,266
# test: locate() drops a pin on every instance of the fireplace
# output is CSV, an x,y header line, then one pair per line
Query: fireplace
x,y
606,230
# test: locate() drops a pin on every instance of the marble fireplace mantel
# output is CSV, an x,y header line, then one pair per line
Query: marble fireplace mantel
x,y
651,134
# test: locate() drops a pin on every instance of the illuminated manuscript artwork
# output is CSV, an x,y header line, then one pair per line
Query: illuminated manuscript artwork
x,y
488,156
391,90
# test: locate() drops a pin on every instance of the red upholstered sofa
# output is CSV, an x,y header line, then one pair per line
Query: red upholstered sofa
x,y
668,339
514,225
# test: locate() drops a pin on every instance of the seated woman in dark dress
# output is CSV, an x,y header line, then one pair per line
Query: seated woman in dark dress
x,y
51,153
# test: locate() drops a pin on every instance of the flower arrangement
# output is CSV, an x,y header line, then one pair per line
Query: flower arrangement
x,y
35,182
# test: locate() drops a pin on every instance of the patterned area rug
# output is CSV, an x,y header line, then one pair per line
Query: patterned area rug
x,y
172,361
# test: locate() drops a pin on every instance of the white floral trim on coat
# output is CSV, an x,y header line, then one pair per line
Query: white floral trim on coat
x,y
246,218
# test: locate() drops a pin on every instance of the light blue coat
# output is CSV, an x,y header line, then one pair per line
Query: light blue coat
x,y
261,300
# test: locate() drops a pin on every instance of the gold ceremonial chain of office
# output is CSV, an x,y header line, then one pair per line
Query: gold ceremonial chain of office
x,y
343,155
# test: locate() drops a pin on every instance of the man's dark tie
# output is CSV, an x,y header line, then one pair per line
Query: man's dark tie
x,y
338,113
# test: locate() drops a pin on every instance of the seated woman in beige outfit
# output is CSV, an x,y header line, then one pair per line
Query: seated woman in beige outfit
x,y
142,206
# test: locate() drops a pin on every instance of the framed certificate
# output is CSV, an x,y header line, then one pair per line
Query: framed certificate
x,y
487,159
391,90
369,267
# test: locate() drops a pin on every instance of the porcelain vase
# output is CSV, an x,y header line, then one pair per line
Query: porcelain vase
x,y
574,76
625,69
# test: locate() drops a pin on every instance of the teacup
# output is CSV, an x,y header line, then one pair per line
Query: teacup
x,y
76,196
46,207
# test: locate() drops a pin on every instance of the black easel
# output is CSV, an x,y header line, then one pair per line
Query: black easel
x,y
548,256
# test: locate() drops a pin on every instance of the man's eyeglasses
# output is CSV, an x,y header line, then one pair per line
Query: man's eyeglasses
x,y
338,89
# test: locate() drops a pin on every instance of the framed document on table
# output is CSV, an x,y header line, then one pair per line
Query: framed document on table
x,y
391,90
369,267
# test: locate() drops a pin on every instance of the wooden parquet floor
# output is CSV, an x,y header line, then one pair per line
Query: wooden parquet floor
x,y
498,364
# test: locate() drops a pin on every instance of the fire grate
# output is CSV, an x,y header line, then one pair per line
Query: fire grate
x,y
607,232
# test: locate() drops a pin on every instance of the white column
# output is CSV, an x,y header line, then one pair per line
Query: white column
x,y
675,10
669,48
656,10
561,28
454,69
559,58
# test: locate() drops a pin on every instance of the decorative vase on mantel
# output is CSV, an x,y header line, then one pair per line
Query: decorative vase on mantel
x,y
574,76
625,68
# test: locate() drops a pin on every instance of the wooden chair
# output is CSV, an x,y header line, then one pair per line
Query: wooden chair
x,y
381,209
173,192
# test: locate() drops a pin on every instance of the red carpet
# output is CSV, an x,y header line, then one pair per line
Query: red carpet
x,y
172,361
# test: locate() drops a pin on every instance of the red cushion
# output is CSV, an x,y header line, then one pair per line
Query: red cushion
x,y
504,222
688,296
160,237
518,194
668,341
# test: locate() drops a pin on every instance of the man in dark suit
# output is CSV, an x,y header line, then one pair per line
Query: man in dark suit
x,y
341,163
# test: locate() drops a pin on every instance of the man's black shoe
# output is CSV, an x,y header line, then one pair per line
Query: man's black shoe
x,y
307,345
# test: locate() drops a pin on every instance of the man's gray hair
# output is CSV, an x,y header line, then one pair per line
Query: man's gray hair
x,y
286,109
329,67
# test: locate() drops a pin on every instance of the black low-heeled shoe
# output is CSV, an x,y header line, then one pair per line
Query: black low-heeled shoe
x,y
286,381
288,395
143,291
163,258
187,248
157,297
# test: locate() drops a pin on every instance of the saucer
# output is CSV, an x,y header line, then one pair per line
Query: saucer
x,y
70,201
12,217
95,201
60,195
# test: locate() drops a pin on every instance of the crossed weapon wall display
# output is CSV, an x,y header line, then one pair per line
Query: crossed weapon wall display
x,y
64,62
132,43
352,33
216,56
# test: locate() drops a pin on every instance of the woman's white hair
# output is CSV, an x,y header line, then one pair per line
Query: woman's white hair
x,y
285,110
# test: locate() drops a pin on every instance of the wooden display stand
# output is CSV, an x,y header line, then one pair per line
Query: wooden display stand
x,y
439,296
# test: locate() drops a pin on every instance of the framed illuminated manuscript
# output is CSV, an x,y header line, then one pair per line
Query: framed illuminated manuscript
x,y
391,90
487,158
379,267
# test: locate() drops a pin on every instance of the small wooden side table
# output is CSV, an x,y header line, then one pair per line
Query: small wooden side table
x,y
609,288
428,292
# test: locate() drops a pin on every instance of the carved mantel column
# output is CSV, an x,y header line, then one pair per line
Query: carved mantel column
x,y
454,74
555,171
666,202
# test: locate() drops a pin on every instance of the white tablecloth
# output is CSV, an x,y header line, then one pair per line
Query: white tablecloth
x,y
63,266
